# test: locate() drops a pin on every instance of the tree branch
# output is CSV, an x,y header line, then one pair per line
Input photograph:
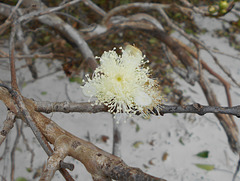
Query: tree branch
x,y
67,107
24,113
7,126
100,164
67,31
53,163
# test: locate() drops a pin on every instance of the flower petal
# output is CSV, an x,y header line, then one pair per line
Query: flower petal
x,y
89,90
142,99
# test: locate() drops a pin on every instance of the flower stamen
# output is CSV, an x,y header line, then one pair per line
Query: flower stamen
x,y
122,83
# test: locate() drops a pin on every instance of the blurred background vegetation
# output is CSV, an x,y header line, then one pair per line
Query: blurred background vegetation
x,y
42,38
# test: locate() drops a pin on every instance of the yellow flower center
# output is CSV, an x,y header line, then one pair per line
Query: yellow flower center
x,y
119,78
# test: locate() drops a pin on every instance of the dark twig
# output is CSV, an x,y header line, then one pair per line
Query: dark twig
x,y
47,10
210,70
12,58
14,149
6,150
42,56
25,141
196,41
15,9
63,28
4,156
206,13
10,18
172,61
226,54
67,107
223,69
26,51
199,62
237,170
117,132
73,18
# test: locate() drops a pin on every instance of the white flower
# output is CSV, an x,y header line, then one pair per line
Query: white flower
x,y
122,83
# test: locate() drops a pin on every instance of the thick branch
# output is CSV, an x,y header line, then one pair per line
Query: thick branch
x,y
101,165
53,163
14,99
67,107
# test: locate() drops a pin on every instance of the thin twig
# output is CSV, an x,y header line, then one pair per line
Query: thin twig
x,y
6,148
210,70
67,107
195,41
236,171
199,62
8,125
25,141
73,18
4,156
222,67
14,149
26,50
206,13
47,11
15,9
12,58
172,61
93,6
42,56
117,134
65,29
226,54
10,18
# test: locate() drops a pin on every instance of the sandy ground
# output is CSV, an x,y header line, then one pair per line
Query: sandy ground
x,y
156,137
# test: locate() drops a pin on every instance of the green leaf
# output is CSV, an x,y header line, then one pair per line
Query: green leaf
x,y
203,154
44,93
166,90
19,149
21,179
205,166
145,166
181,141
29,169
137,127
75,79
47,38
24,84
153,41
137,144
